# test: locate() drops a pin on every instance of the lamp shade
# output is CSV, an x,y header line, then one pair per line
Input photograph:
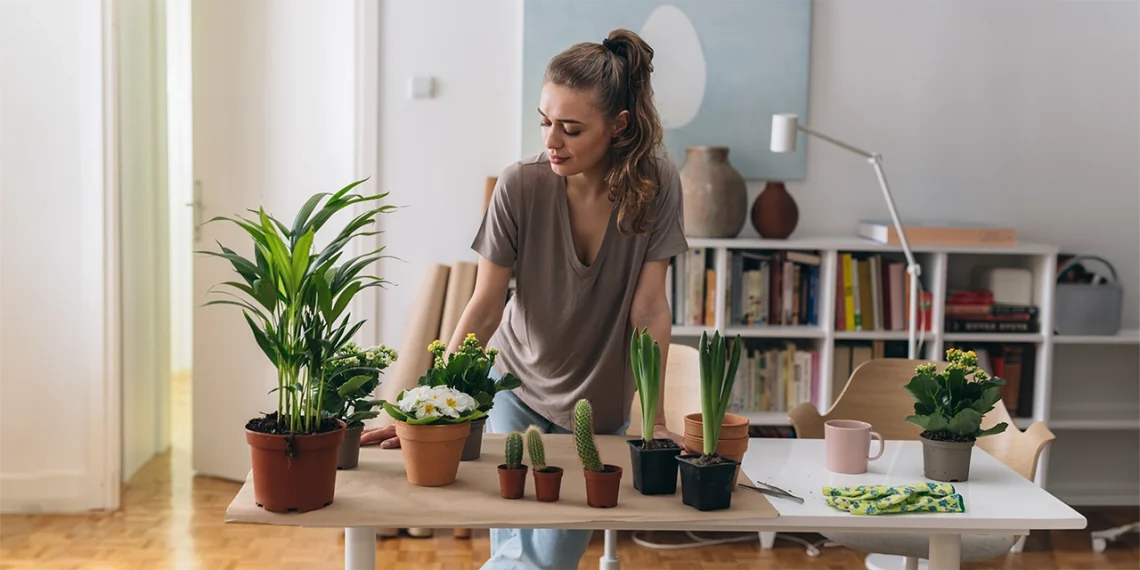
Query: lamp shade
x,y
783,132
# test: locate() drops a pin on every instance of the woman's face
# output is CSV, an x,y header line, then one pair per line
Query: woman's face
x,y
576,133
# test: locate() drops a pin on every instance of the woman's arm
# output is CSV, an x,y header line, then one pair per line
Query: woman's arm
x,y
650,310
485,309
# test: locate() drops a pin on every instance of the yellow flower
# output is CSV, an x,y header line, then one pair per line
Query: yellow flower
x,y
925,369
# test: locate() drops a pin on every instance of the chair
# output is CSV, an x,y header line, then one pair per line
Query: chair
x,y
875,394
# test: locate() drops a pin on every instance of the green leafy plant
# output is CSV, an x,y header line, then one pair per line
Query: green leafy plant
x,y
469,371
296,299
351,376
645,357
950,405
433,405
584,437
514,450
535,448
718,364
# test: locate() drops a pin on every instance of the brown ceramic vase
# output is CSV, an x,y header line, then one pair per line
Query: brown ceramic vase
x,y
715,195
774,213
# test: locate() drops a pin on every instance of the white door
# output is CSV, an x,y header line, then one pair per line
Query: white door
x,y
273,112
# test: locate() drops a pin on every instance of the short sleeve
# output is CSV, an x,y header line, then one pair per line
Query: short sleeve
x,y
667,238
498,235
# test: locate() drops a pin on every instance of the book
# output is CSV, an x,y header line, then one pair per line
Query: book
x,y
943,233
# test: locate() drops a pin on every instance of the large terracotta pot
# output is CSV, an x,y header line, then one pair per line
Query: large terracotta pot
x,y
432,452
294,473
734,426
715,195
774,213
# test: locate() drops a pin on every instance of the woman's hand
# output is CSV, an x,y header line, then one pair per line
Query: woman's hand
x,y
659,432
385,436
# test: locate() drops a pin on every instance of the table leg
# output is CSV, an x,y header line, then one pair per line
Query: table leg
x,y
360,548
945,552
609,559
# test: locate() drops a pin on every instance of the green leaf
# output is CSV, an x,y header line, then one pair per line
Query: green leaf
x,y
351,386
988,399
965,422
394,411
301,257
929,423
924,389
993,430
508,381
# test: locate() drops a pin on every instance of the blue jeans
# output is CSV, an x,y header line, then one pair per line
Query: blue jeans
x,y
539,548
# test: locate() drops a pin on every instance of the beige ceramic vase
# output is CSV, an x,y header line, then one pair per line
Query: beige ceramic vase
x,y
716,198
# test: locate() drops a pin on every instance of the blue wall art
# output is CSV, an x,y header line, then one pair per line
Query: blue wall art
x,y
721,69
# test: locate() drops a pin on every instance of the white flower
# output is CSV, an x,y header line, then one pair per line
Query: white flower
x,y
434,401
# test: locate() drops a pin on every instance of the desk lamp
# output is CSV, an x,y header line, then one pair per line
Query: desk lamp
x,y
784,129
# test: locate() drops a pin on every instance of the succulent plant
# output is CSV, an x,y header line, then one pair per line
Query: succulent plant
x,y
514,452
535,449
584,436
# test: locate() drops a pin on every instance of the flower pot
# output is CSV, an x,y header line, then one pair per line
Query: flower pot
x,y
512,482
733,427
431,452
774,213
715,195
707,487
602,487
548,484
294,473
947,461
733,449
654,470
349,453
474,444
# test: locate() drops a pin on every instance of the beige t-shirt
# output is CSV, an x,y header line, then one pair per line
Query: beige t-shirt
x,y
565,332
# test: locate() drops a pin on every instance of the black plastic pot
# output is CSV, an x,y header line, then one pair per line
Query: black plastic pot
x,y
707,487
654,470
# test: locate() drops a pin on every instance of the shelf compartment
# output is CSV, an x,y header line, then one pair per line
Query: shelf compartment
x,y
1127,336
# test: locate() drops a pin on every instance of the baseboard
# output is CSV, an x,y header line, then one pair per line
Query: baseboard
x,y
48,492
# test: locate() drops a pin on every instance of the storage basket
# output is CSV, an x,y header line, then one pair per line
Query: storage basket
x,y
1088,309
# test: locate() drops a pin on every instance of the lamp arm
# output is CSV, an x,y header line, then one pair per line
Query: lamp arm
x,y
836,142
912,265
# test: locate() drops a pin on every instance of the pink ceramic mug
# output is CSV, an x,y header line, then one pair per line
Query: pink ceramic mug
x,y
848,445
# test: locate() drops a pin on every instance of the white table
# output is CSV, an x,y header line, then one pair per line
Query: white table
x,y
998,499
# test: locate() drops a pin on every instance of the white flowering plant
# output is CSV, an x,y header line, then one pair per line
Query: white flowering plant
x,y
351,375
427,405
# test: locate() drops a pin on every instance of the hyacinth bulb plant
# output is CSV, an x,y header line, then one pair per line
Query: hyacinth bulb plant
x,y
603,481
295,298
652,460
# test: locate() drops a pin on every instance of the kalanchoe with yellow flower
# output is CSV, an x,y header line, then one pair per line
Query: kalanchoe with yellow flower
x,y
468,370
950,405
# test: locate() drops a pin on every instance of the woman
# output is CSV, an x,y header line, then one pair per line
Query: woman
x,y
588,227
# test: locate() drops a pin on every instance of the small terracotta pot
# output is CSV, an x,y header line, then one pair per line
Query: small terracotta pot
x,y
733,449
602,488
548,484
294,473
348,455
431,452
512,482
733,427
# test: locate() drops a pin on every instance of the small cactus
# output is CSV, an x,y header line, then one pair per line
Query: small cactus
x,y
514,450
584,436
535,448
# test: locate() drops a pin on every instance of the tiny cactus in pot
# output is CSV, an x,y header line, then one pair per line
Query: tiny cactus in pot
x,y
653,460
512,473
603,481
547,478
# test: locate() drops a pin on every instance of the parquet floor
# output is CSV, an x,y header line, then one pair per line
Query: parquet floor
x,y
173,520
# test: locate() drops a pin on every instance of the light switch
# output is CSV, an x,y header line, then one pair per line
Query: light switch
x,y
421,87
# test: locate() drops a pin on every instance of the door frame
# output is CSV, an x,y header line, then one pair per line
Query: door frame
x,y
368,149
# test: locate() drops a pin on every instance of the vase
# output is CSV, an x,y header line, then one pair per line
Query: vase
x,y
432,452
774,213
715,196
294,473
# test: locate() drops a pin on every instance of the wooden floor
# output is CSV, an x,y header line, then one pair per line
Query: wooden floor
x,y
173,520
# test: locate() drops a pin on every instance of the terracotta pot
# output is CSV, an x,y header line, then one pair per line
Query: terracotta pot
x,y
474,444
548,484
294,473
733,427
733,449
512,482
602,488
774,213
715,195
431,452
349,453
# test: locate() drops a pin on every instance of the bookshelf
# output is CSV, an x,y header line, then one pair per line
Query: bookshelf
x,y
1085,388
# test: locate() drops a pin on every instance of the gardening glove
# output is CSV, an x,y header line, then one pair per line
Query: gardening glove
x,y
884,499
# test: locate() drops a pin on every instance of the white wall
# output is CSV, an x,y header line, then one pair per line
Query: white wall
x,y
1022,113
52,318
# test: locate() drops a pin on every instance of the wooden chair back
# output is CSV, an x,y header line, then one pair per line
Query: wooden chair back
x,y
682,390
1020,450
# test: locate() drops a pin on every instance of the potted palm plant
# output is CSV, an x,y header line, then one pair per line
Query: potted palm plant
x,y
603,481
295,303
653,460
707,478
547,478
949,407
468,370
351,376
432,423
